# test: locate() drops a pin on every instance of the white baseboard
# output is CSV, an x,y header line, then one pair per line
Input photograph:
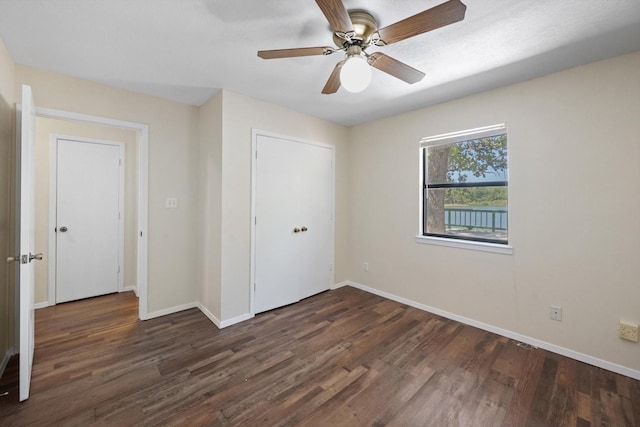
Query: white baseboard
x,y
235,320
171,310
5,361
131,288
613,367
220,324
209,314
224,323
339,285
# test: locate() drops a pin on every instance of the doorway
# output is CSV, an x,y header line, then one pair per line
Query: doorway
x,y
26,115
136,252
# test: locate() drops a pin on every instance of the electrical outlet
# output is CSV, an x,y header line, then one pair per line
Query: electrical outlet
x,y
628,331
555,313
365,266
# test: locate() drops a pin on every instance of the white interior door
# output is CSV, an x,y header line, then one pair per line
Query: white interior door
x,y
26,238
88,217
294,228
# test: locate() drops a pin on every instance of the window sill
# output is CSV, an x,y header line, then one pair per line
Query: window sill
x,y
466,244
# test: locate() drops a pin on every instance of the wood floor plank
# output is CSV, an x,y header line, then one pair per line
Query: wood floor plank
x,y
524,396
341,358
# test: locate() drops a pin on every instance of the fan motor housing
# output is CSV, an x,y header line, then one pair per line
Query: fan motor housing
x,y
364,25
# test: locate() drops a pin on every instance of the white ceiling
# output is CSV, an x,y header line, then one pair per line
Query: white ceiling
x,y
187,50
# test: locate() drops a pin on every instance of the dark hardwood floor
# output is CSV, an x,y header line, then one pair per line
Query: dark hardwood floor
x,y
344,357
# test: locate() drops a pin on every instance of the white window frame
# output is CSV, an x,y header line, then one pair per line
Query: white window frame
x,y
450,138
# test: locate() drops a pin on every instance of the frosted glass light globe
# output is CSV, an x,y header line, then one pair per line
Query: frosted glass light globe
x,y
355,74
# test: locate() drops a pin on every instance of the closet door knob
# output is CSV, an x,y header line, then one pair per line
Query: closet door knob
x,y
304,228
296,230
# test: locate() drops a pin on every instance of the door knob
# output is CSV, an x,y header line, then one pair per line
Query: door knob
x,y
296,230
37,256
13,259
304,228
63,229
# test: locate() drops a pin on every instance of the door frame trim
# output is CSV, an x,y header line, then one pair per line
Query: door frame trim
x,y
254,146
53,196
142,140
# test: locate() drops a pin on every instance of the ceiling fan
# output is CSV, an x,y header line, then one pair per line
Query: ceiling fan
x,y
354,31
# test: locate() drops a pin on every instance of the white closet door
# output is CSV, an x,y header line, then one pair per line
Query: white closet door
x,y
294,229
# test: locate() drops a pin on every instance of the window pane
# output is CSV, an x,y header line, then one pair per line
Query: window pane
x,y
469,213
476,160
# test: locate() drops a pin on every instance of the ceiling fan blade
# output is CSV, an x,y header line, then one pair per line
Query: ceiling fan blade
x,y
290,53
336,14
333,84
430,19
395,68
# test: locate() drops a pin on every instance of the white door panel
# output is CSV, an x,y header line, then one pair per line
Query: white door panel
x,y
87,214
26,238
317,200
278,212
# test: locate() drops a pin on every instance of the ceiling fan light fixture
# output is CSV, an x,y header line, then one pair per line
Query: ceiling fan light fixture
x,y
355,74
354,31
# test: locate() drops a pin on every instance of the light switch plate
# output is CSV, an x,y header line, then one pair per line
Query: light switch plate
x,y
171,203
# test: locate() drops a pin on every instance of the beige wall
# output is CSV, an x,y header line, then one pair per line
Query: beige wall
x,y
210,139
45,127
574,198
7,119
173,172
240,115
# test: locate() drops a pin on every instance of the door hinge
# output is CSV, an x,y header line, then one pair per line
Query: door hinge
x,y
120,162
256,154
254,287
255,220
119,215
118,269
330,267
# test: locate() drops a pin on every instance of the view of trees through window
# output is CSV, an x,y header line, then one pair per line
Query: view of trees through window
x,y
466,189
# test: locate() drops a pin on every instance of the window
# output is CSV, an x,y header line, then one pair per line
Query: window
x,y
465,182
